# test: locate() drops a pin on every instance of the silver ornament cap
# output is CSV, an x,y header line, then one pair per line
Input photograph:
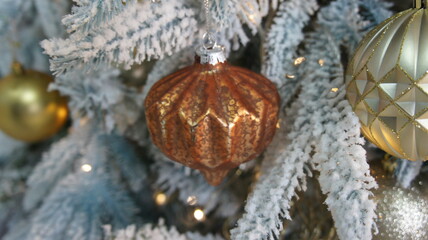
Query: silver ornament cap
x,y
210,52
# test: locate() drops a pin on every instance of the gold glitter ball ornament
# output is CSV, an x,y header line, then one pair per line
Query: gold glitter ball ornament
x,y
212,116
28,112
387,84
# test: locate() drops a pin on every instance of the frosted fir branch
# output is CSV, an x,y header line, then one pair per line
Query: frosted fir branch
x,y
146,232
172,178
10,13
56,164
10,148
374,12
339,155
123,157
50,13
407,171
228,26
86,144
72,212
13,174
327,128
227,16
283,173
20,24
230,17
12,182
29,53
153,232
100,93
282,41
83,199
142,32
88,15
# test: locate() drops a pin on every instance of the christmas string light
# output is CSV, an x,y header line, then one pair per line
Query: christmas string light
x,y
86,168
199,215
160,198
192,200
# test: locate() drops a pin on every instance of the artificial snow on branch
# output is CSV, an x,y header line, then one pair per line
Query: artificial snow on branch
x,y
72,211
282,41
100,93
86,164
282,174
142,32
230,18
151,232
374,12
14,170
10,148
117,160
50,13
56,164
325,134
407,171
87,15
20,33
339,155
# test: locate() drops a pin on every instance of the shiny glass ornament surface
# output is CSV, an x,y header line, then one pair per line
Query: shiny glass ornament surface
x,y
28,112
212,116
387,84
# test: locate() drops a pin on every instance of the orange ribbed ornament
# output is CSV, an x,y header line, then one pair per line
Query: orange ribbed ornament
x,y
212,116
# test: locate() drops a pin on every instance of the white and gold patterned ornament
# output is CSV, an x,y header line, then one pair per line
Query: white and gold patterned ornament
x,y
387,84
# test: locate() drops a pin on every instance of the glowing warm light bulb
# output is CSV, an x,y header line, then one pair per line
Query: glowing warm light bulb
x,y
299,60
192,200
335,89
321,62
199,215
86,168
160,199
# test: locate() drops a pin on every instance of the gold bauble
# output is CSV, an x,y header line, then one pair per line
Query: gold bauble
x,y
387,84
28,112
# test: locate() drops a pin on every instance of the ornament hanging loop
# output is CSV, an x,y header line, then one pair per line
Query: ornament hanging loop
x,y
207,14
209,52
209,39
420,3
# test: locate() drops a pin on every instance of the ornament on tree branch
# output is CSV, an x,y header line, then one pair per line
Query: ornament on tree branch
x,y
387,84
28,111
212,116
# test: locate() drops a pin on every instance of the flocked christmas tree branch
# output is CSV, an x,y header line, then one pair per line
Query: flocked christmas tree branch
x,y
85,163
23,24
281,44
89,15
322,135
150,232
327,124
128,38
